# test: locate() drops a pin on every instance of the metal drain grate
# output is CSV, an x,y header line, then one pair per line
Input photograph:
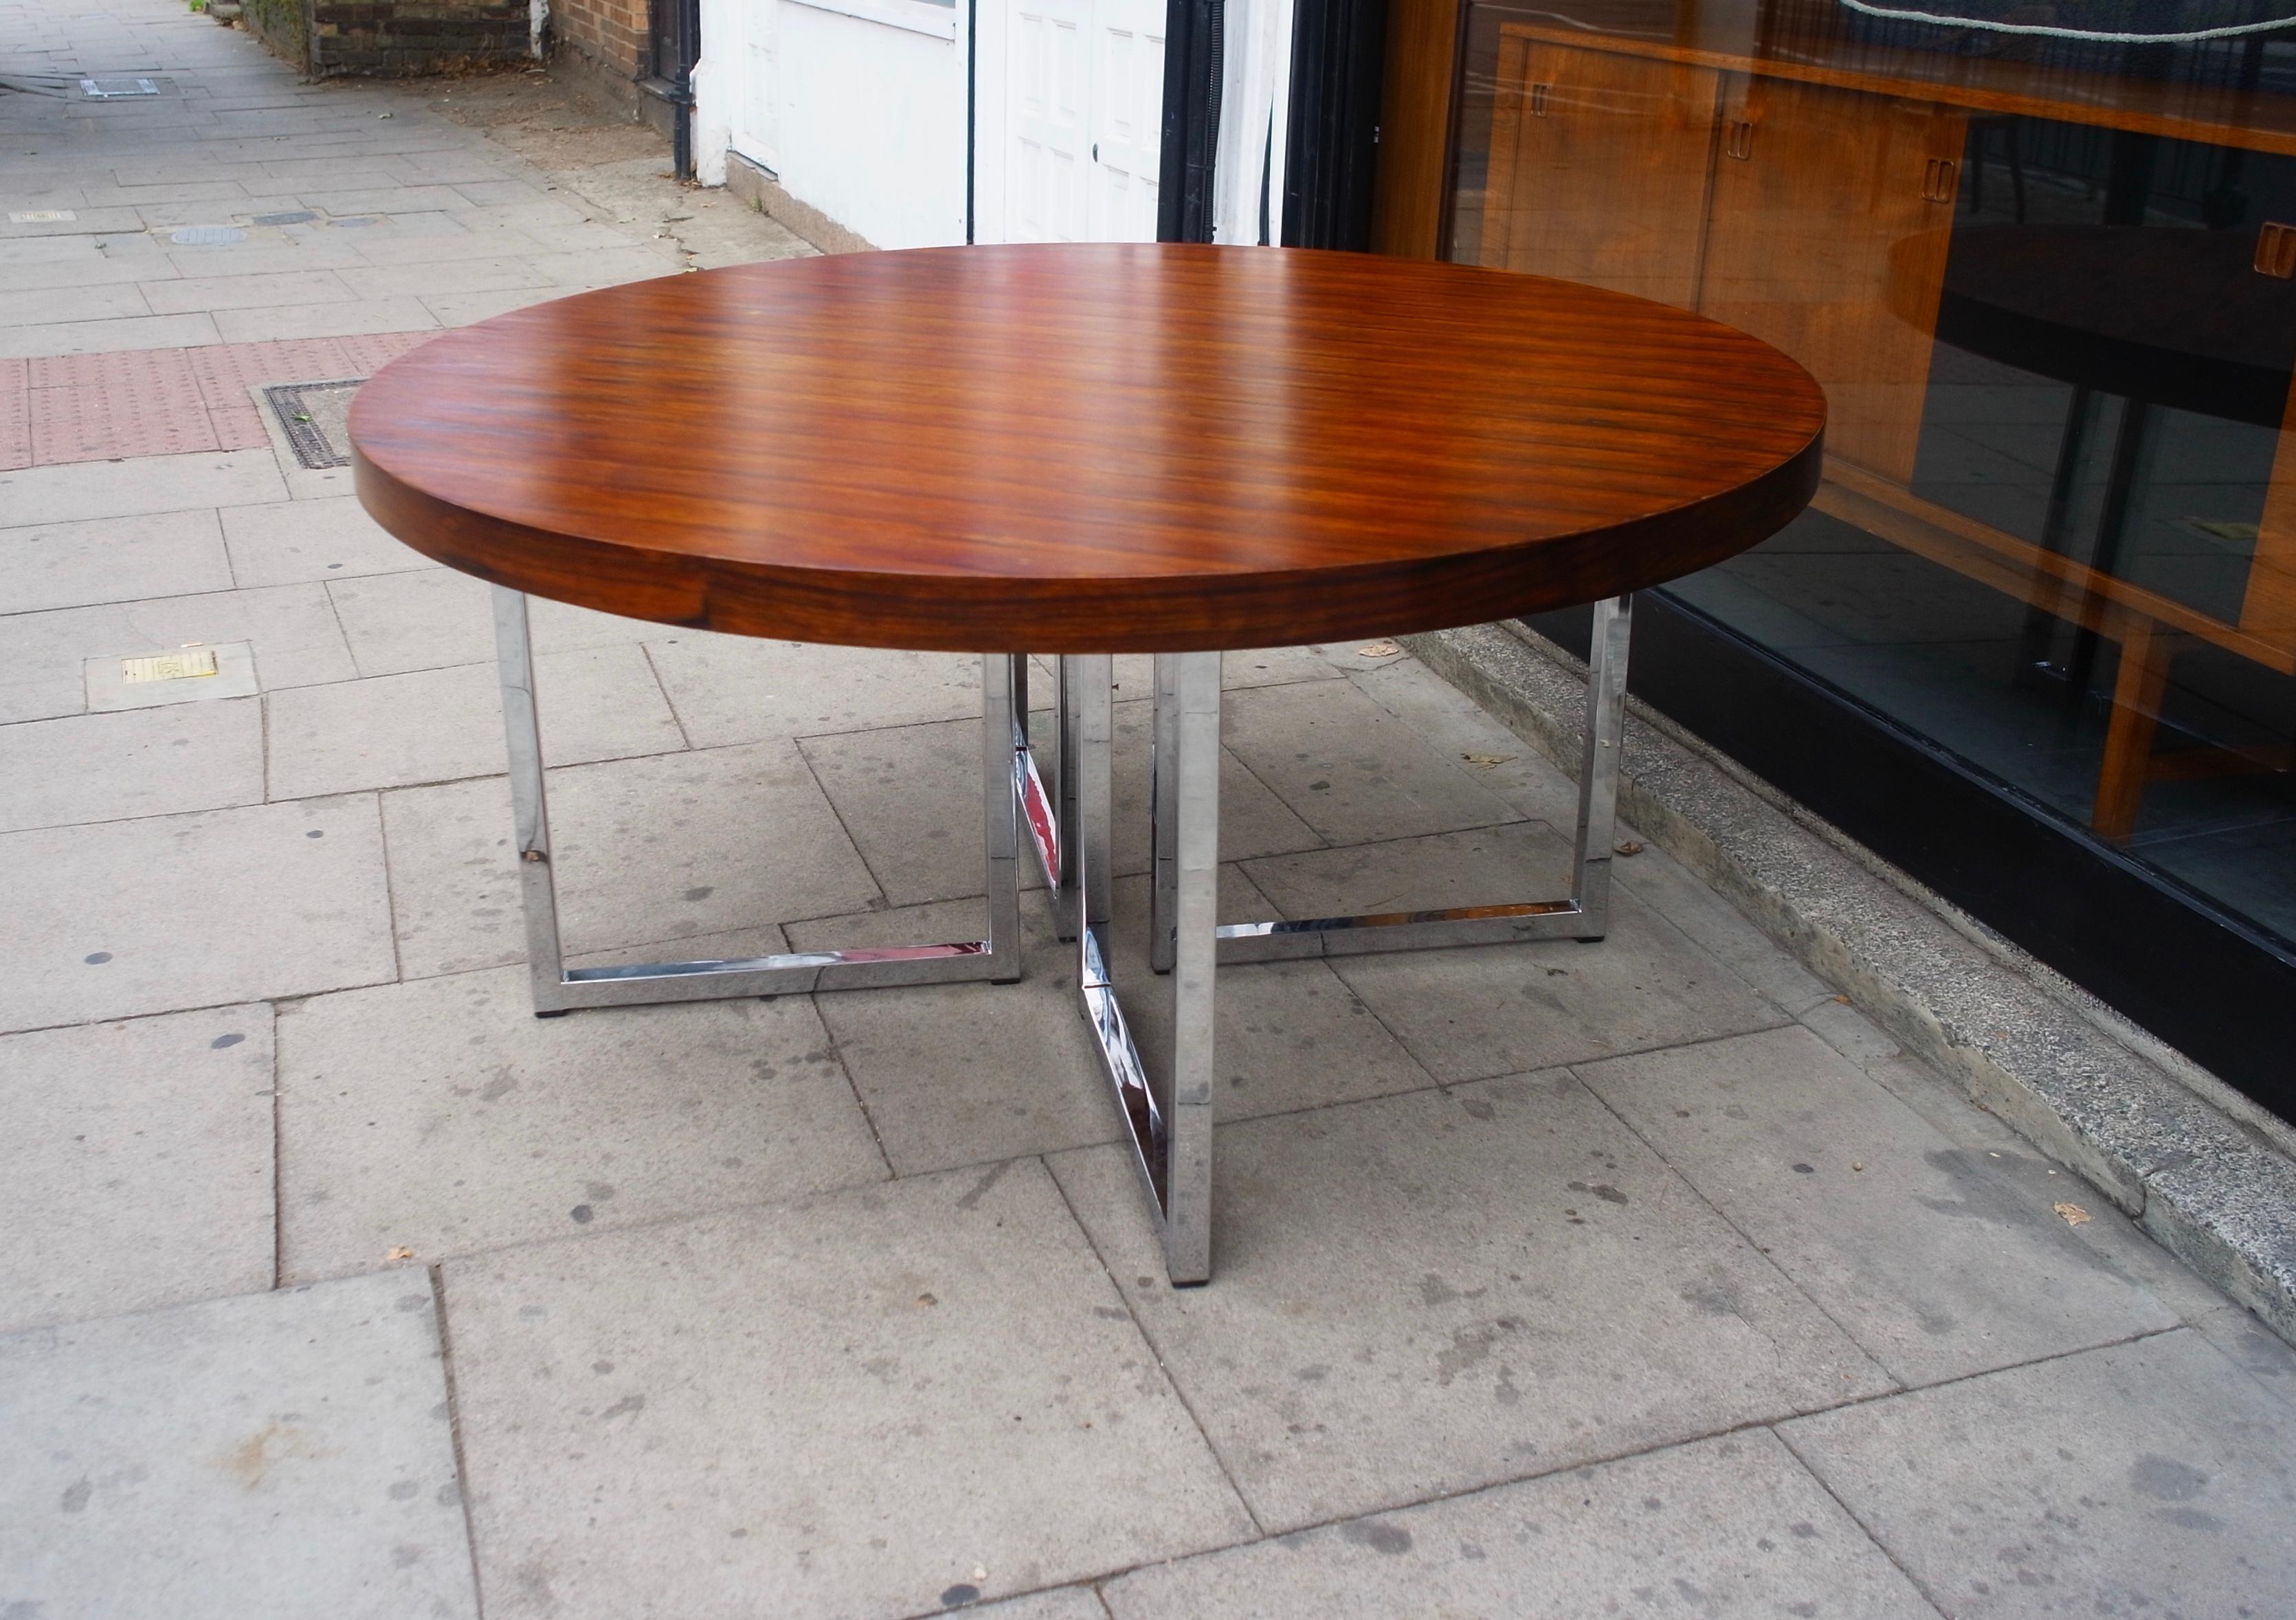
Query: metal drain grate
x,y
316,417
110,89
208,235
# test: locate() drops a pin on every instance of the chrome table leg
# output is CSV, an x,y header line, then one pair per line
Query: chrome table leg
x,y
560,988
1164,816
1169,1115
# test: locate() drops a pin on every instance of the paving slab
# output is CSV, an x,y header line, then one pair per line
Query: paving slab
x,y
138,1169
111,559
910,796
1062,1603
2254,1348
87,266
38,496
444,725
1453,725
268,1458
467,309
1938,1266
172,912
858,1404
2154,1477
110,766
1351,769
1254,821
1496,1009
277,290
445,277
343,318
110,336
741,689
298,542
1285,1035
647,851
437,617
91,302
1426,1294
966,1073
44,655
1727,1526
1716,927
442,1116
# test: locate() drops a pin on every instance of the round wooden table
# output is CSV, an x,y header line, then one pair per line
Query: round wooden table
x,y
1085,450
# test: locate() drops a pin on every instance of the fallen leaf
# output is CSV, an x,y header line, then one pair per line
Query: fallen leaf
x,y
2074,1214
401,1255
1632,846
1845,1001
1484,761
1378,649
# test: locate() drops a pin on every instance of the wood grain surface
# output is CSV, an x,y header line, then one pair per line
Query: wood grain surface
x,y
1119,448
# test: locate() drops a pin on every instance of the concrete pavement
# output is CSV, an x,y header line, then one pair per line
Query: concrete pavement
x,y
1639,1278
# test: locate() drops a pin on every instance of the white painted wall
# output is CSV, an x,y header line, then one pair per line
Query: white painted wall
x,y
858,110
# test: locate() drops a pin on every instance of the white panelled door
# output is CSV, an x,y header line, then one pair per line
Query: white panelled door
x,y
1050,79
1127,117
1085,85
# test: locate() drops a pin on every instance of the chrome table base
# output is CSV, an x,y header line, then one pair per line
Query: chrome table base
x,y
1168,1109
560,988
1170,1113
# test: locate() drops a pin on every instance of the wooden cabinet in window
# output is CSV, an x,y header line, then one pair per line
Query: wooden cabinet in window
x,y
1813,189
1598,168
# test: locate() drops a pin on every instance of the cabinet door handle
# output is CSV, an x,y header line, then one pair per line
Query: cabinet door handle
x,y
1538,100
1740,141
1937,180
2275,249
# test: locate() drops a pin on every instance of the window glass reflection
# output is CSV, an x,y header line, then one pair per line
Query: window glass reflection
x,y
2049,285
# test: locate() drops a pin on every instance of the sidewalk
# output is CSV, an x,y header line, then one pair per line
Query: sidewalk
x,y
1642,1277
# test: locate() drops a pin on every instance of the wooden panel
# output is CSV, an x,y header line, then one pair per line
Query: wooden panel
x,y
2014,566
1798,247
1415,126
2269,610
2219,114
1123,448
1598,168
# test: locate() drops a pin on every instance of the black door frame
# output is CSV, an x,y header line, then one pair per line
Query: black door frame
x,y
1194,40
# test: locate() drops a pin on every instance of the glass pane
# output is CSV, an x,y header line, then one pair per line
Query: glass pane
x,y
2049,285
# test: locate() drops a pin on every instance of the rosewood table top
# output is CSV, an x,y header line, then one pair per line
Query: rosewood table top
x,y
1116,448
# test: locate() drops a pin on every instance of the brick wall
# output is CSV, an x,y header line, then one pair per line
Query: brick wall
x,y
607,37
283,25
392,38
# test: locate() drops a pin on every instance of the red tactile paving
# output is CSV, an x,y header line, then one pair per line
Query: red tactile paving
x,y
15,415
148,407
166,401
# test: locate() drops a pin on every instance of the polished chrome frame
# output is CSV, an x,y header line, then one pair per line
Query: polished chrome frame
x,y
1169,1114
1585,915
1006,777
1168,1111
